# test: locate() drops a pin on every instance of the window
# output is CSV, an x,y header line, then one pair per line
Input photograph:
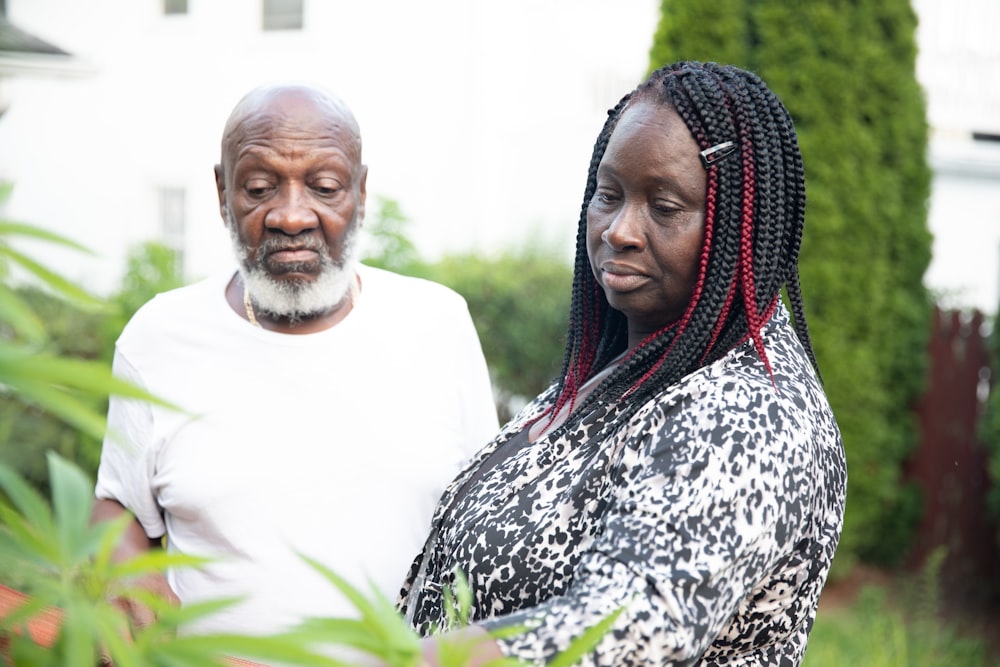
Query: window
x,y
282,15
175,7
173,220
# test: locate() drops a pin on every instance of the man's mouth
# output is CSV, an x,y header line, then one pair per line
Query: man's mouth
x,y
292,260
291,255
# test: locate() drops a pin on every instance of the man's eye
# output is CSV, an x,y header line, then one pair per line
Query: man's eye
x,y
326,188
257,188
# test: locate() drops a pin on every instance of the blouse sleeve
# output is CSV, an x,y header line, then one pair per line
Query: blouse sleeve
x,y
702,509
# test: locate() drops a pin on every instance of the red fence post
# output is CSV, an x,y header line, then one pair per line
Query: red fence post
x,y
950,464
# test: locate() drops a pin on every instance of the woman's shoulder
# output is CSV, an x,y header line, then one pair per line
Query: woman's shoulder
x,y
742,389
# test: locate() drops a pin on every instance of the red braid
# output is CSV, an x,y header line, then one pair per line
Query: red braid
x,y
745,263
713,191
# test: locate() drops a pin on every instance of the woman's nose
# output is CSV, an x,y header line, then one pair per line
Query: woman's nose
x,y
625,230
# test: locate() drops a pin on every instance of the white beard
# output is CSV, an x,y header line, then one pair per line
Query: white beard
x,y
296,300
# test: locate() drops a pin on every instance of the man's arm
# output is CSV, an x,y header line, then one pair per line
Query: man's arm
x,y
134,542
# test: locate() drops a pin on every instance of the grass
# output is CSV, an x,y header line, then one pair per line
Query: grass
x,y
883,628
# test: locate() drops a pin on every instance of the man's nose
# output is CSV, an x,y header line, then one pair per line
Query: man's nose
x,y
293,212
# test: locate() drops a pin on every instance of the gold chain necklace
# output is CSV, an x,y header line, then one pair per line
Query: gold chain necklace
x,y
248,306
252,316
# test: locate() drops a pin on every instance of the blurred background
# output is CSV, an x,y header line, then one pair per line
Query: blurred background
x,y
478,121
478,117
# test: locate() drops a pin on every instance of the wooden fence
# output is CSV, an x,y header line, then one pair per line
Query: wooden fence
x,y
950,464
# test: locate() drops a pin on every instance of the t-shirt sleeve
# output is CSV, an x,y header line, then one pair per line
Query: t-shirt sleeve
x,y
694,523
478,407
128,454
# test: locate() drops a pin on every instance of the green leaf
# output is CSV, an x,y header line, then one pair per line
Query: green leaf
x,y
27,543
154,560
45,380
108,534
77,634
10,228
586,642
26,499
20,317
340,631
72,499
112,628
207,649
67,408
91,376
397,643
51,279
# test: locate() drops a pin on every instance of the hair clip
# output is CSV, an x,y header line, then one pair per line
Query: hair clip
x,y
710,156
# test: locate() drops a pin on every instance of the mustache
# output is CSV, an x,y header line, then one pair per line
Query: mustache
x,y
278,243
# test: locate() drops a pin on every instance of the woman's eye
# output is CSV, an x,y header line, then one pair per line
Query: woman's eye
x,y
665,208
604,198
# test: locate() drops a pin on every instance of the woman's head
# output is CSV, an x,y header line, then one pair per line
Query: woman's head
x,y
646,219
718,150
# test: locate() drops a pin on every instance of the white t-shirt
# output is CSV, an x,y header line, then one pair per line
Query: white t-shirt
x,y
334,445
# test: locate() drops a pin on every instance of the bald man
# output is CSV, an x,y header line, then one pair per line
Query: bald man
x,y
324,404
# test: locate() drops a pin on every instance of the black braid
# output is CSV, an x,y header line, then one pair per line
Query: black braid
x,y
718,103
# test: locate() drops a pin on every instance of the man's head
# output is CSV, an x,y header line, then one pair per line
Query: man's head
x,y
291,189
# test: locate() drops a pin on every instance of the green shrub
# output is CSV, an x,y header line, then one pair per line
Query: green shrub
x,y
29,427
519,302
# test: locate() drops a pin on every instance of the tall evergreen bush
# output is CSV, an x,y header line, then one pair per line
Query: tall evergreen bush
x,y
846,72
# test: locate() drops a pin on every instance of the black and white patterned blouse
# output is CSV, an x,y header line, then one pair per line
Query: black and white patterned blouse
x,y
712,515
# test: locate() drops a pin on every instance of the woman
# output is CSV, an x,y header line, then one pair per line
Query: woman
x,y
686,466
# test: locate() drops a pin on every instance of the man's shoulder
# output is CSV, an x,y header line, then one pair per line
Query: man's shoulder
x,y
185,296
178,306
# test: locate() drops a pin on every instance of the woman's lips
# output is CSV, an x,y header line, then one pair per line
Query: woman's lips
x,y
622,280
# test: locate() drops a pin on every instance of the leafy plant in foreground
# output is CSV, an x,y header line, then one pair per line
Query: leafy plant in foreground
x,y
27,369
62,561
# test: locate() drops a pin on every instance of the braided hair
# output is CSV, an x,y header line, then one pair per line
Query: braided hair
x,y
754,215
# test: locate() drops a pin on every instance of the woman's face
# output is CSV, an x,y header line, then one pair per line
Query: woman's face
x,y
646,220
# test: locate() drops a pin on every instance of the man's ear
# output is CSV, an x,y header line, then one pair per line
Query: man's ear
x,y
220,185
362,190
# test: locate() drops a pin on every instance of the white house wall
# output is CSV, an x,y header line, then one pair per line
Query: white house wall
x,y
477,116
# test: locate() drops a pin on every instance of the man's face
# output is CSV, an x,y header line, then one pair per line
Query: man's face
x,y
292,193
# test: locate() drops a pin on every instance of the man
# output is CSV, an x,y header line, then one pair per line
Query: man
x,y
325,404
